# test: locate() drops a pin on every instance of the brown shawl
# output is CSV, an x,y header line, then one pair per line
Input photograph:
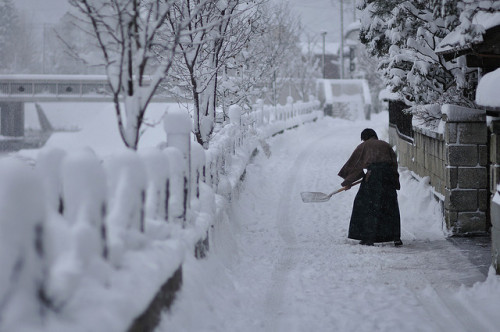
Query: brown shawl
x,y
371,151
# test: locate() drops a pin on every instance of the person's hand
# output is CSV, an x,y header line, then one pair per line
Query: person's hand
x,y
346,185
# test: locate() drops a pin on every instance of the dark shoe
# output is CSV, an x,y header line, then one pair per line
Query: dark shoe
x,y
366,243
398,243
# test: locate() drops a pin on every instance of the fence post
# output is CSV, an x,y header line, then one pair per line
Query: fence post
x,y
22,247
178,127
289,104
158,170
84,195
235,118
176,198
198,163
48,165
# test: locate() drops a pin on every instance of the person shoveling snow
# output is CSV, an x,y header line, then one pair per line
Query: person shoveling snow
x,y
375,214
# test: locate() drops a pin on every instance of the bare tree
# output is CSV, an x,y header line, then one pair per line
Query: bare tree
x,y
126,32
272,50
209,44
275,50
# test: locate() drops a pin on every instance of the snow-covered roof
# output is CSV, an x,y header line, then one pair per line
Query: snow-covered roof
x,y
457,40
487,90
453,42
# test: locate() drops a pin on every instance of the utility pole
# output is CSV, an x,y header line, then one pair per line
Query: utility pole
x,y
323,33
44,32
354,10
341,39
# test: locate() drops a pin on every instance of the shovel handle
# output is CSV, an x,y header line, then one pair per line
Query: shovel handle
x,y
346,187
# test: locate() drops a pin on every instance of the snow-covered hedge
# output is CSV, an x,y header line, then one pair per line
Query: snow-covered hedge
x,y
85,244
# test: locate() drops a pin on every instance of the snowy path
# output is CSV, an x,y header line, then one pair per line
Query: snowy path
x,y
282,265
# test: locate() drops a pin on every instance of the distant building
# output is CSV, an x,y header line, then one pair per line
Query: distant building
x,y
352,49
332,61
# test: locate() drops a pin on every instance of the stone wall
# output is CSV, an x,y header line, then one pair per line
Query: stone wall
x,y
455,158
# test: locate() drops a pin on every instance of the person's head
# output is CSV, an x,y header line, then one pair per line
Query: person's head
x,y
367,134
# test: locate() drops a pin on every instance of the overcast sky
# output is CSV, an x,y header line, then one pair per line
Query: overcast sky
x,y
316,15
43,11
323,15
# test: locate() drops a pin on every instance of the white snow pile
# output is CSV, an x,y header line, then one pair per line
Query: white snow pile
x,y
487,90
89,233
478,17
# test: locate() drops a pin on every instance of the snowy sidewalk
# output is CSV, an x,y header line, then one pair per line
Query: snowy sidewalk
x,y
278,264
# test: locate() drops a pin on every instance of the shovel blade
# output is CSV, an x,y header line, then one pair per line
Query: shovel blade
x,y
314,197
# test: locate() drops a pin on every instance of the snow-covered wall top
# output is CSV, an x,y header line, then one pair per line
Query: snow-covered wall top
x,y
487,90
456,113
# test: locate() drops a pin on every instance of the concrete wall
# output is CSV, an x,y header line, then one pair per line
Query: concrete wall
x,y
12,119
455,158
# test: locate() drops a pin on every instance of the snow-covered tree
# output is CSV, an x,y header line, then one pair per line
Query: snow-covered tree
x,y
272,51
404,35
126,33
307,70
281,48
459,14
69,49
8,22
16,43
211,40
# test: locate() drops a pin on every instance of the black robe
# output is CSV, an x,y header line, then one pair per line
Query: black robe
x,y
375,214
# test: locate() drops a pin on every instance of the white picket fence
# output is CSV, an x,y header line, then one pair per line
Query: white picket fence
x,y
118,228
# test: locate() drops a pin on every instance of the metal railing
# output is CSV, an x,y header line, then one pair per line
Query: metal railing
x,y
32,88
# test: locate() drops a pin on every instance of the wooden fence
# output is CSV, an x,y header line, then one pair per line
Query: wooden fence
x,y
72,217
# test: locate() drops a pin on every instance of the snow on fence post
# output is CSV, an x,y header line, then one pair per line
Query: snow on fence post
x,y
266,114
158,171
176,191
22,257
235,118
178,126
197,167
48,165
127,183
259,112
208,176
84,196
289,107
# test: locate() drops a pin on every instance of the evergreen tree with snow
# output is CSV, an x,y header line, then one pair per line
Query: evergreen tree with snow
x,y
404,35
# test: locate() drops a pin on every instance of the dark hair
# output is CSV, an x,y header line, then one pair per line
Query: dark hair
x,y
367,134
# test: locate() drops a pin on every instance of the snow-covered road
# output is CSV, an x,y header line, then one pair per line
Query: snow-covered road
x,y
277,264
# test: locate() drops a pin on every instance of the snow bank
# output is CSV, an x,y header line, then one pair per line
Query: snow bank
x,y
487,90
422,208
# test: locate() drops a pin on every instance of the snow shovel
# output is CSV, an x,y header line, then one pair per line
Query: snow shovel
x,y
318,197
